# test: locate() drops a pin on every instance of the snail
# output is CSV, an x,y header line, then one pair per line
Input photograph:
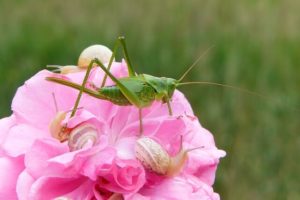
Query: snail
x,y
78,137
83,135
57,130
65,69
155,158
101,52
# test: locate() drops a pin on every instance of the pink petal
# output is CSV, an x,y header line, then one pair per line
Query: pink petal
x,y
51,187
179,105
125,176
84,116
20,138
35,98
10,170
202,162
36,159
99,161
5,125
125,147
25,180
178,188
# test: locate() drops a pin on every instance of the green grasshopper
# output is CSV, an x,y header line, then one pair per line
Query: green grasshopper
x,y
140,90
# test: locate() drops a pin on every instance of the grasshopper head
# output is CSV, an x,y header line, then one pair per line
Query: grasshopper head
x,y
171,86
162,85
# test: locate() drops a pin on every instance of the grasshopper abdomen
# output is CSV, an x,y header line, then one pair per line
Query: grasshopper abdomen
x,y
113,94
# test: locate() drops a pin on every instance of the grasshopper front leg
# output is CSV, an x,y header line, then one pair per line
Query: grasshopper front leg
x,y
169,106
82,88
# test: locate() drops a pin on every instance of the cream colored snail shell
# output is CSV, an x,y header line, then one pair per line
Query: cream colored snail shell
x,y
101,52
81,136
155,158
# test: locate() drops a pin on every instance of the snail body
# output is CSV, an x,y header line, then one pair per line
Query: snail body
x,y
155,158
98,51
79,137
56,129
69,69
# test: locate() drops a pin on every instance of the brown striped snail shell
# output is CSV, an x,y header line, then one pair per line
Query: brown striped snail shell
x,y
155,158
82,136
101,52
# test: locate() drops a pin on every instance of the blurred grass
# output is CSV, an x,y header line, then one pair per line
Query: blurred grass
x,y
256,47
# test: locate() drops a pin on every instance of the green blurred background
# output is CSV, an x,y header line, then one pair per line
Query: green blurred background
x,y
257,46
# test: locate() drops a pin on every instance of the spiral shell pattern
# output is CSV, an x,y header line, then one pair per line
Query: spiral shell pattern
x,y
152,155
82,136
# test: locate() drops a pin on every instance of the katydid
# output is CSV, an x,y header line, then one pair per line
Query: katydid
x,y
140,90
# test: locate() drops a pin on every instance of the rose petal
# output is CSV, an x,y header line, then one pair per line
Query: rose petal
x,y
5,125
52,187
20,138
25,180
36,159
178,188
10,170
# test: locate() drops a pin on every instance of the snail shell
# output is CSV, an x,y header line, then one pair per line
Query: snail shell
x,y
101,52
152,155
82,136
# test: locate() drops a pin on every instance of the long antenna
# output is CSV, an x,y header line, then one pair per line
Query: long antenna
x,y
195,63
223,85
235,88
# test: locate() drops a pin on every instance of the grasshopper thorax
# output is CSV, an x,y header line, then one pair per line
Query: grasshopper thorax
x,y
163,86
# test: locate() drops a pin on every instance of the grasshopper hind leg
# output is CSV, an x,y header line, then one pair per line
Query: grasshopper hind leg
x,y
131,72
82,87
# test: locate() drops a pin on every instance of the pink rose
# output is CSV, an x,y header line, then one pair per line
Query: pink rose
x,y
182,187
36,165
